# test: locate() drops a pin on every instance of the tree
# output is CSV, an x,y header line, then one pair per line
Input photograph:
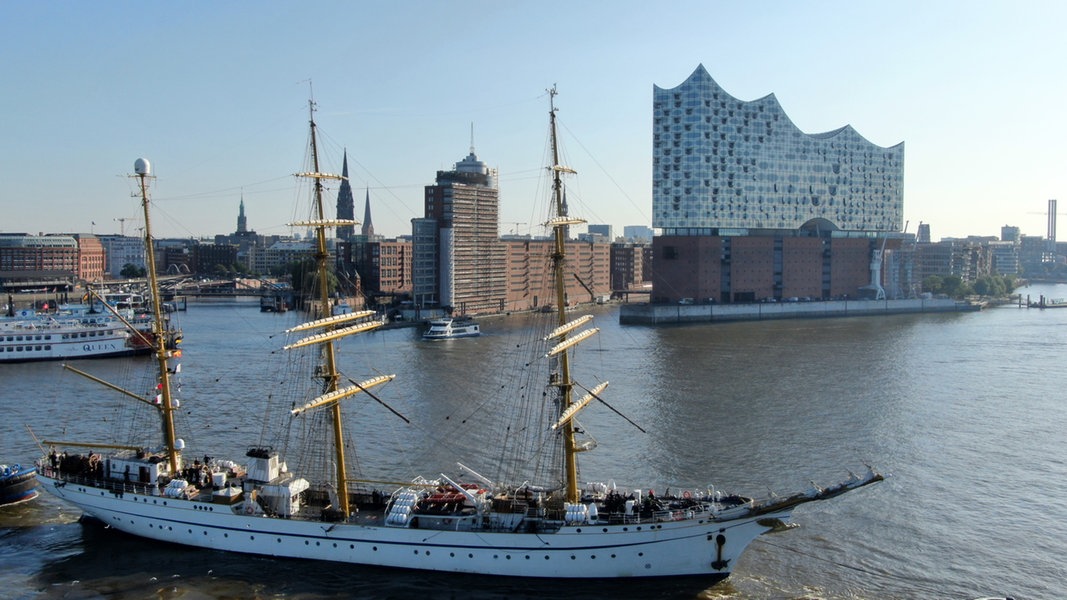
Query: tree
x,y
933,284
131,271
953,286
303,275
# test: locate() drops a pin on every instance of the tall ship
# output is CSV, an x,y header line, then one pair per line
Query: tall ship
x,y
521,510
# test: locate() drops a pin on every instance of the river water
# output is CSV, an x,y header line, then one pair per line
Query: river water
x,y
964,412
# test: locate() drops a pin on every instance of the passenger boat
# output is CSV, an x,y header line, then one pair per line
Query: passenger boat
x,y
522,512
451,327
75,331
17,484
46,337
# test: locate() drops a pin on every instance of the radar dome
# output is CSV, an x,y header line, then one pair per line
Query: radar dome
x,y
141,166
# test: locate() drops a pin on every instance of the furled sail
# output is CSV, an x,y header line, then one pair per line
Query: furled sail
x,y
333,335
560,347
342,393
579,405
334,320
569,327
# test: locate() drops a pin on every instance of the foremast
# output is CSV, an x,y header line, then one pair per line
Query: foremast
x,y
142,168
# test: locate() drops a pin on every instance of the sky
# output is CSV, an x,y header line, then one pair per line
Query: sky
x,y
215,95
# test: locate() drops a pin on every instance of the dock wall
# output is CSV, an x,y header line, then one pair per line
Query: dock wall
x,y
662,314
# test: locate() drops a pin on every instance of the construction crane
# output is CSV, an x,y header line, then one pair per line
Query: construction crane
x,y
122,224
516,224
1050,241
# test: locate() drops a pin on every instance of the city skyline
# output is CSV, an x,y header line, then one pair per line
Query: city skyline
x,y
216,97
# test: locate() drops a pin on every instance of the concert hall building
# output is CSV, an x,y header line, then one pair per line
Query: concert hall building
x,y
748,207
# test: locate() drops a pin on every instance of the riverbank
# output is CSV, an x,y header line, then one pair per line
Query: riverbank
x,y
664,314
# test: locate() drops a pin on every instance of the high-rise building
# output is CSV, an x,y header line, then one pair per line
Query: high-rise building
x,y
637,233
458,260
750,207
346,203
923,236
604,231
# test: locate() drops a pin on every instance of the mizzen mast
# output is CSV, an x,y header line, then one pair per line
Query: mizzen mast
x,y
143,169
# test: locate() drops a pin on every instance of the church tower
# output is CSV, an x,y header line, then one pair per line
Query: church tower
x,y
242,222
368,226
345,203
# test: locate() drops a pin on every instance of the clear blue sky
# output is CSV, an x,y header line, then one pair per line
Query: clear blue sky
x,y
215,95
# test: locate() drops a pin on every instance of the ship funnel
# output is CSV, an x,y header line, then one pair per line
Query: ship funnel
x,y
141,166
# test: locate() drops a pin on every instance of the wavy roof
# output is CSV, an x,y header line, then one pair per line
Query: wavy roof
x,y
771,102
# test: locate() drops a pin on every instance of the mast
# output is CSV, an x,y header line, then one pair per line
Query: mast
x,y
565,385
329,373
143,170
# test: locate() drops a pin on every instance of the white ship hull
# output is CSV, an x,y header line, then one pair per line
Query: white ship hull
x,y
689,546
449,329
23,345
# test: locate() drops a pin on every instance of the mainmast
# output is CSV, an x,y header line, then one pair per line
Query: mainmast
x,y
329,375
143,170
566,386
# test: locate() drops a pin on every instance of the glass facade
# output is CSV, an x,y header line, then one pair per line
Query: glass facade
x,y
720,162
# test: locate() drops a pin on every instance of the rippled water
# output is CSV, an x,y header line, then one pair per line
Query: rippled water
x,y
964,411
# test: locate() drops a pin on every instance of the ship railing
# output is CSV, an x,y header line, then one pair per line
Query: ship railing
x,y
110,485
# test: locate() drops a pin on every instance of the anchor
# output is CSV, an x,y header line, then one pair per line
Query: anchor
x,y
720,541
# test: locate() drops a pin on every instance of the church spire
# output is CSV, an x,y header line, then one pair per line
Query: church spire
x,y
345,202
242,222
368,226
